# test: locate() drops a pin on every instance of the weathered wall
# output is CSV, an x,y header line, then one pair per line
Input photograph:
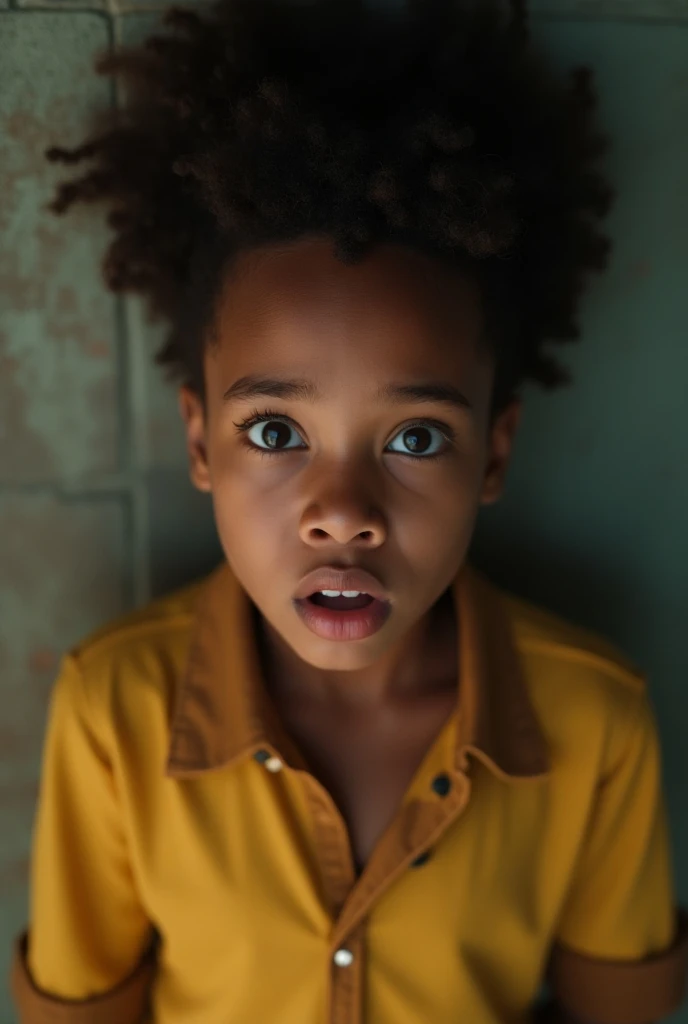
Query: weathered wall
x,y
96,513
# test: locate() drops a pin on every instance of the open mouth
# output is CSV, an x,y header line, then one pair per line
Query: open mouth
x,y
341,603
343,618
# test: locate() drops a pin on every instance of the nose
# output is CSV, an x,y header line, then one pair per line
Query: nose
x,y
343,510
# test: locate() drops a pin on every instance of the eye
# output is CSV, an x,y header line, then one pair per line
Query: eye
x,y
418,441
267,432
274,434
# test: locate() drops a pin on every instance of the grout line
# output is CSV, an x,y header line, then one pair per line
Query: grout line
x,y
134,442
110,7
65,6
659,12
128,7
73,489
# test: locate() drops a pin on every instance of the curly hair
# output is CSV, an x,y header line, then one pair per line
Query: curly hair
x,y
438,127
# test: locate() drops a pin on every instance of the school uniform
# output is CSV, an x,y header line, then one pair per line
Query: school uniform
x,y
188,868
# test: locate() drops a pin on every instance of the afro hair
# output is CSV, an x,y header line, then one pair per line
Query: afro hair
x,y
436,126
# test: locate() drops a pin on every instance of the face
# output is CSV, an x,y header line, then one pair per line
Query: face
x,y
354,472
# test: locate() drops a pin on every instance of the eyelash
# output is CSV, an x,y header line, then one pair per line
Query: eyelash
x,y
268,414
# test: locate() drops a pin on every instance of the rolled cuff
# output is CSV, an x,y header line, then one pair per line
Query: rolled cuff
x,y
622,991
125,1003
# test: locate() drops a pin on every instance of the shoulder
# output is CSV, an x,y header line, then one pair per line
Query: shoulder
x,y
590,699
160,618
540,634
127,671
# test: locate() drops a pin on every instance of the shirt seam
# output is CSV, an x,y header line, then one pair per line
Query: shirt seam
x,y
87,650
84,710
636,726
97,734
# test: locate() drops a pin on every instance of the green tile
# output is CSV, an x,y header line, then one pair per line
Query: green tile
x,y
64,572
156,422
156,425
132,28
58,347
135,7
78,6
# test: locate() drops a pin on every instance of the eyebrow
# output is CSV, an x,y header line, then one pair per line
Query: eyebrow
x,y
254,386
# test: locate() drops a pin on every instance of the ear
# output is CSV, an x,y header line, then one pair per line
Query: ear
x,y
502,434
191,409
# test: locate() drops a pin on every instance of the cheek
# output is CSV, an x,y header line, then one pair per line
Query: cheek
x,y
440,519
448,491
256,521
437,527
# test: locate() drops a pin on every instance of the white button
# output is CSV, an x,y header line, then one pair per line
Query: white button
x,y
273,764
343,957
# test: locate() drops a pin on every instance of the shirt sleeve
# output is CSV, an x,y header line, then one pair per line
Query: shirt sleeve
x,y
621,949
89,953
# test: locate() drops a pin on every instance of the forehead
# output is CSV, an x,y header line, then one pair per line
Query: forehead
x,y
397,312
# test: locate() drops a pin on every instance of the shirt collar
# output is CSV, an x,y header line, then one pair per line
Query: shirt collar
x,y
223,713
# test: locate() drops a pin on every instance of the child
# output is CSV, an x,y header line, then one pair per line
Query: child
x,y
343,779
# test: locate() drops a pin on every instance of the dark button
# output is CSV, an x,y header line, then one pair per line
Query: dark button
x,y
262,756
441,784
423,858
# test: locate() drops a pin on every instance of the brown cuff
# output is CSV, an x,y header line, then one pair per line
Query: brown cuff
x,y
622,991
126,1003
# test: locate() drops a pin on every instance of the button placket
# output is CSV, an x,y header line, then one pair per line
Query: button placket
x,y
347,974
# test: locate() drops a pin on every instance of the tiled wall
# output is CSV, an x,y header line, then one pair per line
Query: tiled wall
x,y
96,513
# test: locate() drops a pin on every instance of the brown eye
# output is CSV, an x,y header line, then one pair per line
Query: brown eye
x,y
418,440
272,435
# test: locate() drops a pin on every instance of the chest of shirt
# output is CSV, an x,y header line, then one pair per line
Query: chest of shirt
x,y
248,869
269,852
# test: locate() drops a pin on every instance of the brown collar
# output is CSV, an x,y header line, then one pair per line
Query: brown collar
x,y
223,713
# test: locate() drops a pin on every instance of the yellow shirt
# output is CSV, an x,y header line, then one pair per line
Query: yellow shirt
x,y
188,869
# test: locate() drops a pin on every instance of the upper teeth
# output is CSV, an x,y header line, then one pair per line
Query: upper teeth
x,y
340,593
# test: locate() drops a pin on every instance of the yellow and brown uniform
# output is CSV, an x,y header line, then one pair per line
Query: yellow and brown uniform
x,y
188,869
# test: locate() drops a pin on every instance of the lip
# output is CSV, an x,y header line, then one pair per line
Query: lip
x,y
341,625
329,577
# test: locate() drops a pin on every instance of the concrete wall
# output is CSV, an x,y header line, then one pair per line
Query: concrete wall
x,y
97,515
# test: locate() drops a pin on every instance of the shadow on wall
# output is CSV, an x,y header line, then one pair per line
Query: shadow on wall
x,y
576,584
184,545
